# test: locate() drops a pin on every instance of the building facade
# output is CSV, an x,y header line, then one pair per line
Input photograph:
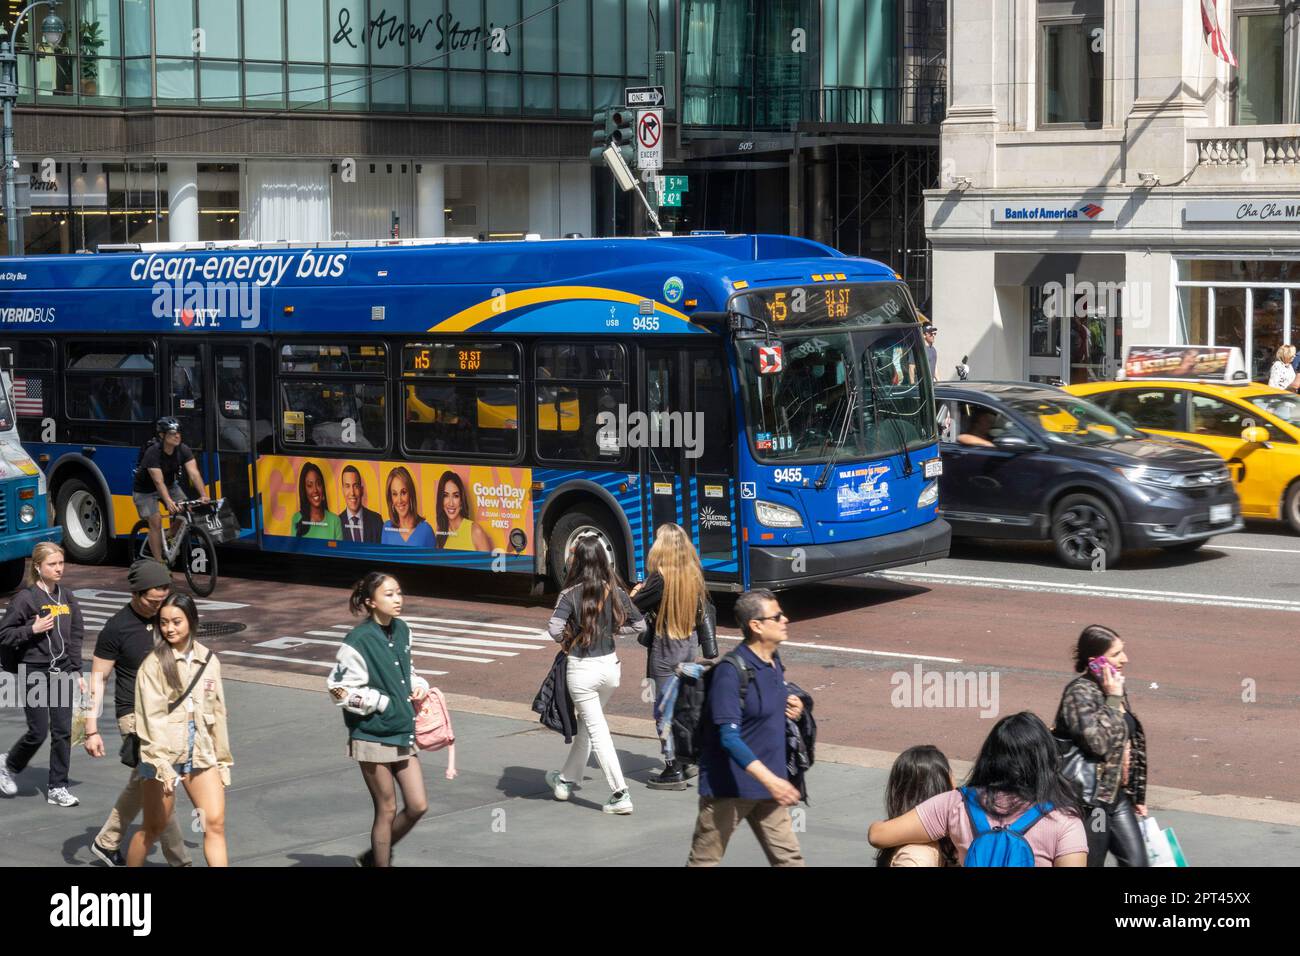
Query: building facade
x,y
158,120
1108,180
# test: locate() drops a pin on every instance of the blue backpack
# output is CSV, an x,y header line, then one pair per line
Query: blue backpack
x,y
1000,846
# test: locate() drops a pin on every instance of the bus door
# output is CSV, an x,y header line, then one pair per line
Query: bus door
x,y
209,393
689,451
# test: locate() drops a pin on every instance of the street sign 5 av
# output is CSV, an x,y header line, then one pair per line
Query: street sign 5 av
x,y
679,184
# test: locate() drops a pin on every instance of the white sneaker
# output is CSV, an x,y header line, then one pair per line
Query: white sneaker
x,y
620,803
8,786
60,797
559,786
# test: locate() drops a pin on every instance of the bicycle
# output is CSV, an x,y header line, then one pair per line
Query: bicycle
x,y
185,536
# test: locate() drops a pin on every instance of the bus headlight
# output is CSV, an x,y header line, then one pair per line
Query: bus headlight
x,y
26,514
929,496
776,516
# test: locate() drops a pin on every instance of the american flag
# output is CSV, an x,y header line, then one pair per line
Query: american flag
x,y
1214,33
29,397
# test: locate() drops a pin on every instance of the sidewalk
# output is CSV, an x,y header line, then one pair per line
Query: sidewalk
x,y
298,801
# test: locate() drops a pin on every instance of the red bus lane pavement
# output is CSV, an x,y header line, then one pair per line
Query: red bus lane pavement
x,y
1217,687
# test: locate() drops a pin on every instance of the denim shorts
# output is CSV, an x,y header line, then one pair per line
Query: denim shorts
x,y
183,767
149,503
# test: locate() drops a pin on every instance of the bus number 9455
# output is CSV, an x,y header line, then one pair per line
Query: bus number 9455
x,y
650,324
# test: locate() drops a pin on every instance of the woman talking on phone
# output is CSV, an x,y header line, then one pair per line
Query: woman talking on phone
x,y
42,630
1111,763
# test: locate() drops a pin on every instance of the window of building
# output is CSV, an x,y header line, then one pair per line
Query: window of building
x,y
332,396
1071,57
1250,304
110,381
462,398
1258,92
574,385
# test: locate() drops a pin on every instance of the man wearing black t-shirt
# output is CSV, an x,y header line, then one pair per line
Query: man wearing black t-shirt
x,y
126,640
157,479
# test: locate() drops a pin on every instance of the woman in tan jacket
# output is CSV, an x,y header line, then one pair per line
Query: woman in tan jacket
x,y
180,715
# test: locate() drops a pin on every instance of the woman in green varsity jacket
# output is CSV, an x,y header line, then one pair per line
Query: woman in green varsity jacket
x,y
375,684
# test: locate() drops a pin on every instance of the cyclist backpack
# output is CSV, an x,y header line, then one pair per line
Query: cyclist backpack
x,y
1004,845
433,727
139,458
690,713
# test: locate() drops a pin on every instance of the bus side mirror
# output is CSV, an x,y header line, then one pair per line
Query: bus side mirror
x,y
1255,435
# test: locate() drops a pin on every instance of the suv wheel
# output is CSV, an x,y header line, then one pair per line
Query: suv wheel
x,y
1086,533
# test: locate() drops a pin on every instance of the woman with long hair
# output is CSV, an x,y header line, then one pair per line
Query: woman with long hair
x,y
404,524
593,609
180,717
457,531
43,629
314,518
1018,768
1095,715
675,602
918,774
376,698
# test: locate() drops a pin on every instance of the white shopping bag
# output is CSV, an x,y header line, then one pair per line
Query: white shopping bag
x,y
1162,845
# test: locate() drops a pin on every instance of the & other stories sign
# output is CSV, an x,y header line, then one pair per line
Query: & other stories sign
x,y
1254,210
385,28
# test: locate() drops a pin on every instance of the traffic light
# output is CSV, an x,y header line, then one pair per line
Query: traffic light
x,y
612,126
621,120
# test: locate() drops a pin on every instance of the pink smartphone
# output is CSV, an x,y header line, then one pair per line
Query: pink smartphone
x,y
1099,665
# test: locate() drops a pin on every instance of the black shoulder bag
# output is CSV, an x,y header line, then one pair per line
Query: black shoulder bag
x,y
130,752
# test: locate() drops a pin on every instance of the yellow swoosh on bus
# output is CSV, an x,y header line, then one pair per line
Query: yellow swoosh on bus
x,y
499,305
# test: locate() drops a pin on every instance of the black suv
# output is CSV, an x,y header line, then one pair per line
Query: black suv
x,y
1033,461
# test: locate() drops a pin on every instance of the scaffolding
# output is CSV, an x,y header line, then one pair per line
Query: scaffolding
x,y
925,58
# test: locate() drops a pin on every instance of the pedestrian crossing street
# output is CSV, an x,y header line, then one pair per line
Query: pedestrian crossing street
x,y
436,641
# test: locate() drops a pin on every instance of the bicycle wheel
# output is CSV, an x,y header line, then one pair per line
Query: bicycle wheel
x,y
138,542
199,554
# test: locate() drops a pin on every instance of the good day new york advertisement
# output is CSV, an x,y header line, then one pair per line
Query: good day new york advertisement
x,y
400,504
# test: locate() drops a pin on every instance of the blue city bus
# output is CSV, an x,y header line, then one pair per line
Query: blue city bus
x,y
24,509
482,405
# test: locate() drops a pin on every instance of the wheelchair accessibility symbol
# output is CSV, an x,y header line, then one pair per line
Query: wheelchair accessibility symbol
x,y
748,490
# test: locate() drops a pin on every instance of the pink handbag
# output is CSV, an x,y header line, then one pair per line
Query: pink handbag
x,y
433,727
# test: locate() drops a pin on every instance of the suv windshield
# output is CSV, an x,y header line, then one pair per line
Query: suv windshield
x,y
802,412
1072,421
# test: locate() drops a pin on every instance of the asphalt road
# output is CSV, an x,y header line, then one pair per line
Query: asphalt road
x,y
1214,672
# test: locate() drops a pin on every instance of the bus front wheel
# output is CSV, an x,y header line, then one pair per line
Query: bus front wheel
x,y
574,525
85,522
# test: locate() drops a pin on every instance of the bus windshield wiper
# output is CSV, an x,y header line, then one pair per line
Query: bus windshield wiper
x,y
893,407
850,407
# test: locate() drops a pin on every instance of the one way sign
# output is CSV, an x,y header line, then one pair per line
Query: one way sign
x,y
644,95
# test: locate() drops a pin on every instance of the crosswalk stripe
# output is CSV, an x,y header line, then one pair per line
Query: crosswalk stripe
x,y
474,624
417,643
418,629
450,657
296,660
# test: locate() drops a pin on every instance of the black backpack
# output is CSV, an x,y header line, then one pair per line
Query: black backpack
x,y
139,458
689,714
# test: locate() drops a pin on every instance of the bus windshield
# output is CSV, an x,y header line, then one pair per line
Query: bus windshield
x,y
841,394
6,415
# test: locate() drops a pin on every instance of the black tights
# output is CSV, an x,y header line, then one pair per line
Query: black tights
x,y
382,780
1115,827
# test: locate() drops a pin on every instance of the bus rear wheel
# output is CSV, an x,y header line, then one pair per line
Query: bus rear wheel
x,y
85,522
576,524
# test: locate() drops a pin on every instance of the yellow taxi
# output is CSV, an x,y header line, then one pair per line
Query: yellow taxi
x,y
1253,427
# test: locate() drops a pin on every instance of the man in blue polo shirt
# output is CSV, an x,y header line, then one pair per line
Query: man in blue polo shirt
x,y
743,773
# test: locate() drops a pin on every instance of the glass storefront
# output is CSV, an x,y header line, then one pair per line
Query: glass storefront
x,y
510,57
1253,305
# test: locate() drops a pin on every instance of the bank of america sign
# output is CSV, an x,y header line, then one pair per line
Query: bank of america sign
x,y
1235,210
1054,212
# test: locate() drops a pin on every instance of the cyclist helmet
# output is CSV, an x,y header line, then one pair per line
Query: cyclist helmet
x,y
166,425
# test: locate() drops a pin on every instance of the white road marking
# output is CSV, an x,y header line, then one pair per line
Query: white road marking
x,y
450,657
424,633
1240,547
1099,590
474,624
297,660
857,650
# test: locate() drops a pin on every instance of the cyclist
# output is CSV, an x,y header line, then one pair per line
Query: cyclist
x,y
157,478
